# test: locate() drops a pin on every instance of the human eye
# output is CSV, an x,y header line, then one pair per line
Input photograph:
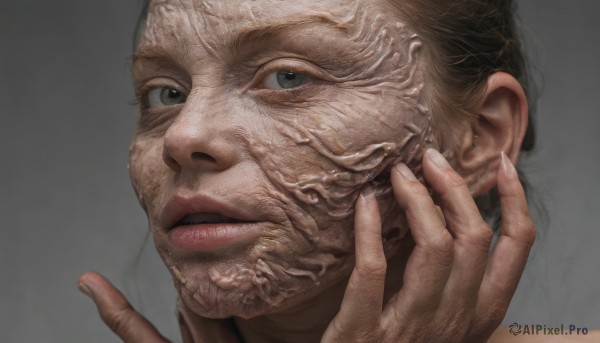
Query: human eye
x,y
160,97
279,80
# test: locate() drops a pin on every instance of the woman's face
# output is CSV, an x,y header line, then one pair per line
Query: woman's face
x,y
260,124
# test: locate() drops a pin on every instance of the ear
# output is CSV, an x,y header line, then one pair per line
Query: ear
x,y
500,126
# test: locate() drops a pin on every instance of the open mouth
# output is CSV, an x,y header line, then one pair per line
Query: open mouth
x,y
206,218
210,231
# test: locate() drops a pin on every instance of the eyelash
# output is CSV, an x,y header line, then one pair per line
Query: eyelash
x,y
142,94
313,74
293,65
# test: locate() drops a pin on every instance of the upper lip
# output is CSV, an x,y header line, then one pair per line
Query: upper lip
x,y
180,207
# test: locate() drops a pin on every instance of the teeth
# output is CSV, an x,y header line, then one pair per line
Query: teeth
x,y
206,218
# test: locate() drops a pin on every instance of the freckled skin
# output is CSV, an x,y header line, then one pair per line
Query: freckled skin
x,y
297,159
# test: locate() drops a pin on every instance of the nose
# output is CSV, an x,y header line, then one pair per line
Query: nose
x,y
199,140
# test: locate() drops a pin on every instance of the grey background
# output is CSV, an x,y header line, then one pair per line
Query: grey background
x,y
66,205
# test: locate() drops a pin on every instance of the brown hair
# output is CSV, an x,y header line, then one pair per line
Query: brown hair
x,y
466,41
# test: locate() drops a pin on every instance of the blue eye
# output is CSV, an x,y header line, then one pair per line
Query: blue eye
x,y
285,80
165,96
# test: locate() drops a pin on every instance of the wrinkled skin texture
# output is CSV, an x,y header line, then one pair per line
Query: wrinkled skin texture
x,y
295,159
325,255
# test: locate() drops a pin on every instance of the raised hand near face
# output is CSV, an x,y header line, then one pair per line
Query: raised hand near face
x,y
118,314
453,289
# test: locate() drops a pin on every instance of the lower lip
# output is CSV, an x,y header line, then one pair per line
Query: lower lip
x,y
209,237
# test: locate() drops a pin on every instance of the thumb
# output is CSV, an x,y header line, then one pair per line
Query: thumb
x,y
116,311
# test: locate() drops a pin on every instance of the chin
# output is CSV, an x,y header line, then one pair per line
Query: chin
x,y
210,301
255,287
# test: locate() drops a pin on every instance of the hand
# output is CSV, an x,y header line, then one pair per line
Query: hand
x,y
453,290
132,327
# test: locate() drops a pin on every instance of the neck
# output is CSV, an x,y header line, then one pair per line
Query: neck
x,y
308,321
303,323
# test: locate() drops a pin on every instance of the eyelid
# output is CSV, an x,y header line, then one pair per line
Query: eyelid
x,y
156,83
287,64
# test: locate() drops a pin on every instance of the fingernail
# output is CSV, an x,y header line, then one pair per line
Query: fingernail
x,y
438,159
403,170
367,192
85,289
509,168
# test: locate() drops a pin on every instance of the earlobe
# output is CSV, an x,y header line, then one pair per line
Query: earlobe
x,y
500,126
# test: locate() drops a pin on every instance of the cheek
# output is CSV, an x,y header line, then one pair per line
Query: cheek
x,y
147,172
322,156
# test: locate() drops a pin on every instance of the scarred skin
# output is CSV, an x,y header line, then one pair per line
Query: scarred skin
x,y
296,159
333,169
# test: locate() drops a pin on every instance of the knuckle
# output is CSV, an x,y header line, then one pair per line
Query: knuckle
x,y
417,189
483,236
372,335
526,233
363,335
460,323
369,334
529,233
480,237
454,180
372,268
494,316
442,245
119,320
443,242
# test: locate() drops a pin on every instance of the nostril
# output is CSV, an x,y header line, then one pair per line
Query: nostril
x,y
200,156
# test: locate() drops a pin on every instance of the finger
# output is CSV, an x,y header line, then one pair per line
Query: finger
x,y
460,211
430,262
116,311
472,236
510,254
360,312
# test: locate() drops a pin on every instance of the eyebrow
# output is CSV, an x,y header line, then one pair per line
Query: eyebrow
x,y
248,37
152,53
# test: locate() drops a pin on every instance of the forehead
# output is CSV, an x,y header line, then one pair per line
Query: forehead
x,y
248,11
214,20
